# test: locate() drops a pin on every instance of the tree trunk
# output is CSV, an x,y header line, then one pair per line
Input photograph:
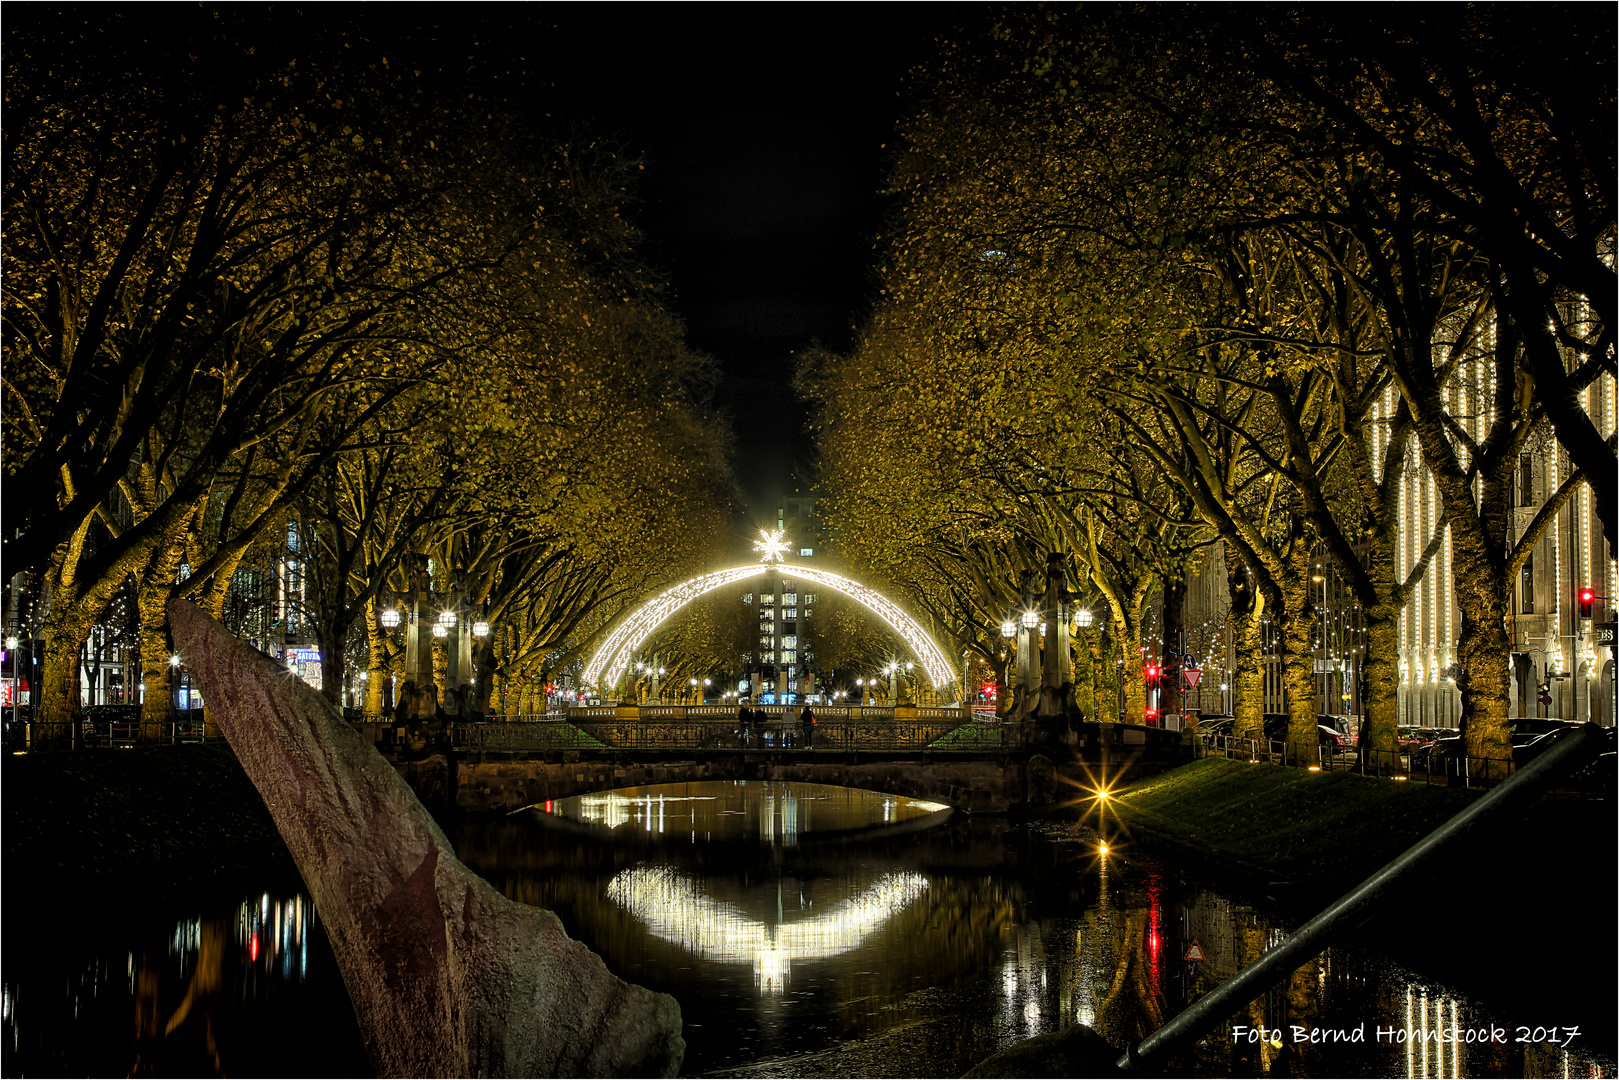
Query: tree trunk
x,y
152,597
1248,683
1481,651
1127,631
60,708
331,637
1298,660
1248,641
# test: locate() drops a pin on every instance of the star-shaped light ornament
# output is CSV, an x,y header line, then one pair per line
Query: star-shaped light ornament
x,y
771,546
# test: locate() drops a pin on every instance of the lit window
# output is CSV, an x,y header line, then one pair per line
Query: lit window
x,y
789,641
789,656
789,599
806,552
790,613
809,598
766,640
767,600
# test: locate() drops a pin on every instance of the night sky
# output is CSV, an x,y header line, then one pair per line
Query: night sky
x,y
763,128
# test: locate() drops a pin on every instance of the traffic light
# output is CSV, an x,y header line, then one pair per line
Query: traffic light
x,y
1153,671
1545,693
1587,599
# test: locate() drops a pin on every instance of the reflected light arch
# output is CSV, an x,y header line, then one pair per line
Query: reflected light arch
x,y
610,662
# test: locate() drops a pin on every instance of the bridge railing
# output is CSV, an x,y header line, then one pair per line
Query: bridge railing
x,y
598,729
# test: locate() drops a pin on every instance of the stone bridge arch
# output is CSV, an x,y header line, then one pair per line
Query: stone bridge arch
x,y
985,785
607,667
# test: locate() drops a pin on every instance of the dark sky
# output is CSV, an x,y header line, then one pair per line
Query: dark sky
x,y
763,128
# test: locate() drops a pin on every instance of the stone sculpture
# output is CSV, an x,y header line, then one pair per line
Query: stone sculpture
x,y
447,976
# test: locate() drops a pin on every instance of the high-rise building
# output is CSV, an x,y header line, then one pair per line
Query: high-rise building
x,y
782,670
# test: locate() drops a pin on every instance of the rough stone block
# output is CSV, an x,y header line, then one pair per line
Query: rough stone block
x,y
447,976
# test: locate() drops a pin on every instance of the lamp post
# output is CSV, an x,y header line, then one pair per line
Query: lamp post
x,y
655,672
1084,620
11,648
1008,632
1028,623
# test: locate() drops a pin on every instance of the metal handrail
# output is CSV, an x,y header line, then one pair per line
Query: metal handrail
x,y
589,729
1570,751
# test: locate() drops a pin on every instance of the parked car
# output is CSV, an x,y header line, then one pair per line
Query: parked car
x,y
1436,756
1276,730
1347,727
1337,741
1533,726
1407,738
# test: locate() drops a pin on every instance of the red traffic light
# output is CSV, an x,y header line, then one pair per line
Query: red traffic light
x,y
1587,599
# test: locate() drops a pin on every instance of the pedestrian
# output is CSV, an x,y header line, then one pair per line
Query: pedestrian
x,y
744,718
806,724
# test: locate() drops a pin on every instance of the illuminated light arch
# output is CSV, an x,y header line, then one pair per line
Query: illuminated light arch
x,y
607,667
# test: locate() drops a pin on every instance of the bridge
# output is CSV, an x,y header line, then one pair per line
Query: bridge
x,y
942,755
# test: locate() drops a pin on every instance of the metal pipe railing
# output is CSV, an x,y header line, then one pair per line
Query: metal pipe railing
x,y
1571,751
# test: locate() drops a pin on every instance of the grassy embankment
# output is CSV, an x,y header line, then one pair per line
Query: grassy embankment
x,y
136,819
1319,830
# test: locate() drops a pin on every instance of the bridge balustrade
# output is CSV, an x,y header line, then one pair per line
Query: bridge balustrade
x,y
598,729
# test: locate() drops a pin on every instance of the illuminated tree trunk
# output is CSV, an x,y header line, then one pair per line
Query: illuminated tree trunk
x,y
1132,674
152,597
1481,651
1248,680
377,668
1298,662
60,708
1380,669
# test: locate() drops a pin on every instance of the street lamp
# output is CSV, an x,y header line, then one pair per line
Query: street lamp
x,y
174,665
1084,619
11,647
389,618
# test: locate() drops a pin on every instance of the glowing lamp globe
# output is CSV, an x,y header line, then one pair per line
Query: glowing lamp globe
x,y
1031,619
389,618
440,630
480,628
1084,617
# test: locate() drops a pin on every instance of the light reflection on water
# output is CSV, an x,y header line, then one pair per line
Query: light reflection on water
x,y
204,994
787,939
948,943
675,907
771,812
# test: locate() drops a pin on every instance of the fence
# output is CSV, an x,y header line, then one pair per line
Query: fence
x,y
1422,765
601,729
25,735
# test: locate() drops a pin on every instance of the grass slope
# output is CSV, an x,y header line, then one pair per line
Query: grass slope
x,y
1319,829
133,817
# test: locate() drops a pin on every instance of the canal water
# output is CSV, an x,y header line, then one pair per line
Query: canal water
x,y
805,930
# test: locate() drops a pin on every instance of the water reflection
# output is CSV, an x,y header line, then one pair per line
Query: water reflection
x,y
848,951
196,995
676,908
939,947
770,812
